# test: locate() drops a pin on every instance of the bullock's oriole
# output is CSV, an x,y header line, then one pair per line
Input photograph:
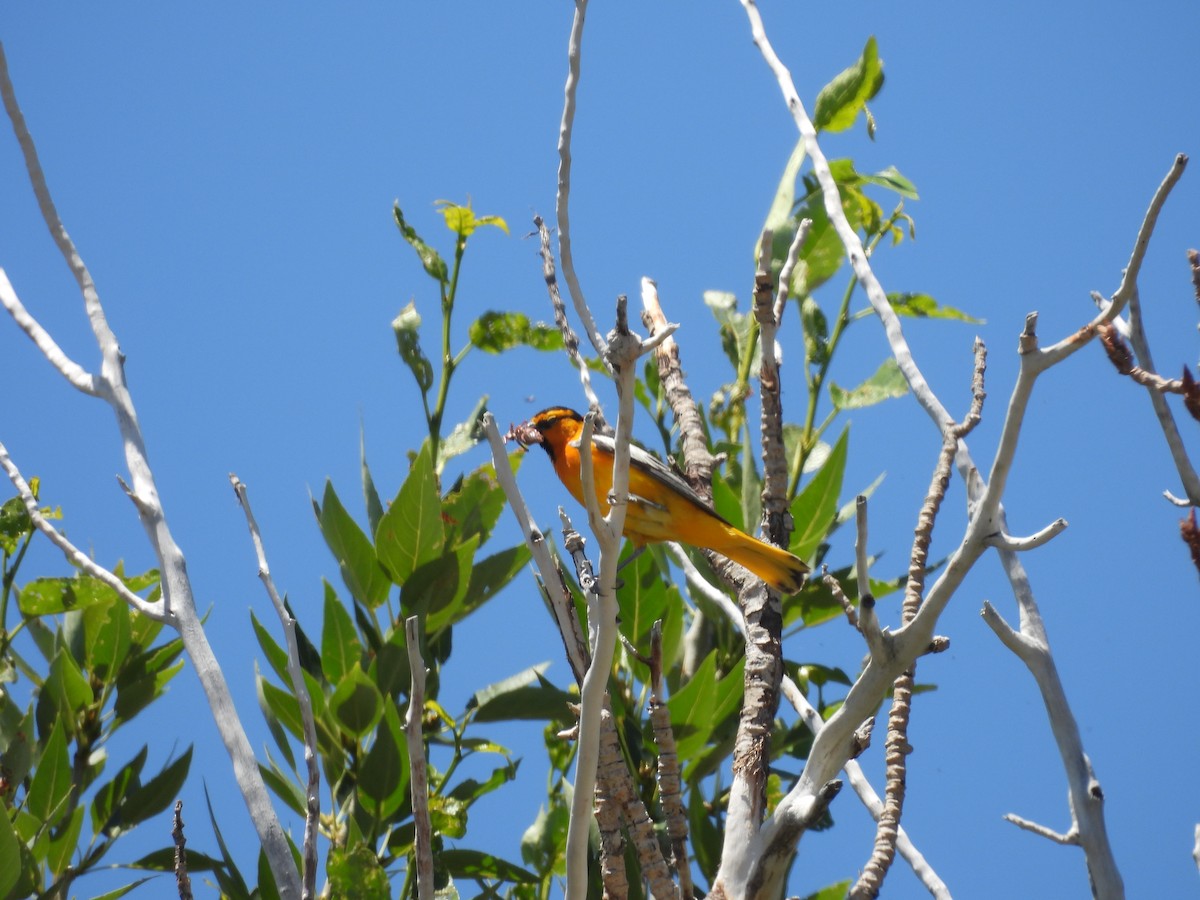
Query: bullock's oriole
x,y
662,506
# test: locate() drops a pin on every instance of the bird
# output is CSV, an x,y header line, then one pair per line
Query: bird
x,y
662,506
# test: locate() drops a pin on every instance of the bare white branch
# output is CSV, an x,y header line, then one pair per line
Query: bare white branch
x,y
1032,647
789,266
74,555
178,607
1133,268
1031,542
622,352
845,231
1068,839
312,795
77,375
562,199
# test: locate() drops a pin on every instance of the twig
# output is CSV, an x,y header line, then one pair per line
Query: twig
x,y
840,596
669,785
418,774
897,747
1031,645
183,883
1030,542
563,196
299,688
789,266
554,588
570,338
79,378
1071,838
1144,374
73,554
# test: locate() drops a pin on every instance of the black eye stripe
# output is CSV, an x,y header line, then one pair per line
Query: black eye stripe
x,y
543,422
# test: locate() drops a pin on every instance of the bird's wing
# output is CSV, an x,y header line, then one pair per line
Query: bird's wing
x,y
656,469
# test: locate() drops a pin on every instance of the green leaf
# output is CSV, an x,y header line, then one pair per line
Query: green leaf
x,y
464,436
356,704
407,327
144,677
835,891
474,505
463,221
163,860
411,533
158,793
526,695
275,654
495,332
122,891
641,599
447,816
475,864
383,776
816,605
64,695
692,708
285,787
840,101
815,508
737,328
780,214
228,876
340,648
52,596
891,179
51,781
356,872
17,738
816,332
361,571
705,836
887,382
471,790
436,590
15,523
63,841
390,669
106,804
10,855
433,264
108,637
370,495
544,842
922,306
488,577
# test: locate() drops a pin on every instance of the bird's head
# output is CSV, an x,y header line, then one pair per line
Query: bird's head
x,y
551,428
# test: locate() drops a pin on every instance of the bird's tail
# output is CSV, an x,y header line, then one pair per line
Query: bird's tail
x,y
778,568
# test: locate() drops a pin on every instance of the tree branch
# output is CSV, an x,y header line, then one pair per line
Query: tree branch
x,y
563,196
312,794
419,778
178,601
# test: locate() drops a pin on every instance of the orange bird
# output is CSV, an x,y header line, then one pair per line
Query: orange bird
x,y
662,506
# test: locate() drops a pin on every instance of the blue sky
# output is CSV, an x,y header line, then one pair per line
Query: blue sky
x,y
228,174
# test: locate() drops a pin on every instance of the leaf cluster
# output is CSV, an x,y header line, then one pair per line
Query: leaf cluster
x,y
98,665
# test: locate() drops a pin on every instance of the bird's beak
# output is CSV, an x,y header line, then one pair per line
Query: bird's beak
x,y
524,434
